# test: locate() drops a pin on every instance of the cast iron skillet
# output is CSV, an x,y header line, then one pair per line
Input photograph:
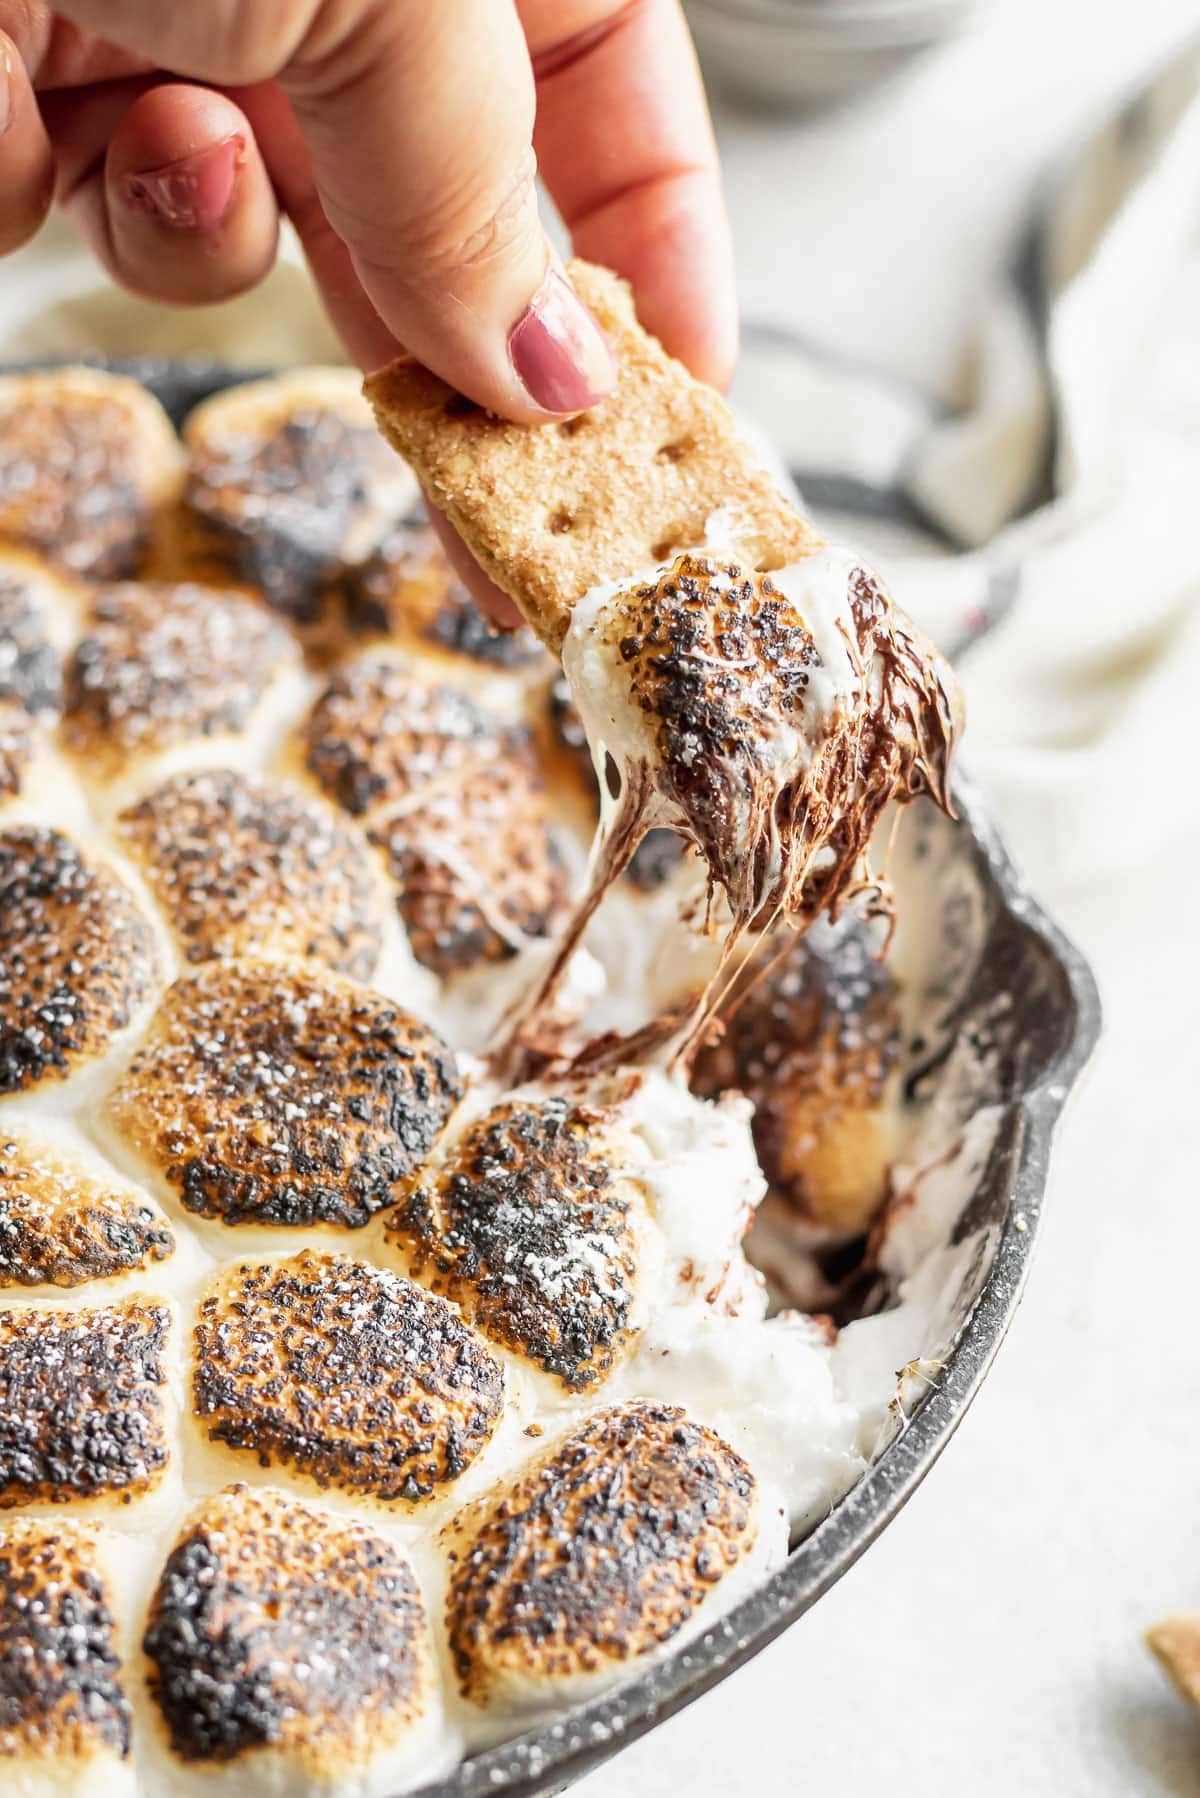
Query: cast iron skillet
x,y
1048,1025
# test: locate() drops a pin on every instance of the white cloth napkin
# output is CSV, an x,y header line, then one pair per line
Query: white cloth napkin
x,y
1053,508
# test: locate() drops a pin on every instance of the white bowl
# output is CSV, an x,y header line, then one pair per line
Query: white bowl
x,y
810,52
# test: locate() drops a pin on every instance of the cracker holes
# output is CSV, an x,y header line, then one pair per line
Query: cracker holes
x,y
561,522
676,450
571,427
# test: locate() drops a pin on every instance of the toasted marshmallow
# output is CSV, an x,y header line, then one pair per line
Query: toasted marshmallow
x,y
453,799
628,1535
172,669
357,1379
65,1721
86,1403
476,872
812,1037
767,716
536,1227
288,488
38,621
37,615
87,462
279,1094
244,866
67,1221
288,1649
380,736
407,592
79,959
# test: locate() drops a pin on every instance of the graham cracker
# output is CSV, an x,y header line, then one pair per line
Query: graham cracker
x,y
551,510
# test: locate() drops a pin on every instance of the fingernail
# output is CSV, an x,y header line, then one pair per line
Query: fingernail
x,y
559,352
193,194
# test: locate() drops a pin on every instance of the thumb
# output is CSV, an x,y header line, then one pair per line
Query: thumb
x,y
419,126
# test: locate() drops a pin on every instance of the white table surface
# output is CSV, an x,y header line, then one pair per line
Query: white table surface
x,y
989,1644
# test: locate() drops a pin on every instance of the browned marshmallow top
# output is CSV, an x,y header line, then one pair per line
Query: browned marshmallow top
x,y
167,663
83,457
282,504
77,957
63,1225
62,1696
476,871
30,666
352,1375
599,1553
275,1626
454,801
406,588
82,1402
279,1094
243,866
380,735
532,1227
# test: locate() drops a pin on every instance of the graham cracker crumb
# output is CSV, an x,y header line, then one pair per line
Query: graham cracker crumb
x,y
1175,1643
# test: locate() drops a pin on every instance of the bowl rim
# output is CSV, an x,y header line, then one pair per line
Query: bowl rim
x,y
547,1759
866,29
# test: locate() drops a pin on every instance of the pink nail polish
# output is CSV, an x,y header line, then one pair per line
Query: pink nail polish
x,y
559,352
193,194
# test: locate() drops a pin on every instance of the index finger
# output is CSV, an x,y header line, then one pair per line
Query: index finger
x,y
626,149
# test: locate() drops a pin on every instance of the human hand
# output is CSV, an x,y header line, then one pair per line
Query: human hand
x,y
400,138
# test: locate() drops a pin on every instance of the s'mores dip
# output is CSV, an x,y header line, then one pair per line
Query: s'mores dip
x,y
404,1027
738,680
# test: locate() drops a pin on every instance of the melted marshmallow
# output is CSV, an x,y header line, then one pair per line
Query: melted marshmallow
x,y
819,588
703,1183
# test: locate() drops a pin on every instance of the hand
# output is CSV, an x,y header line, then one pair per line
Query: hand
x,y
400,137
